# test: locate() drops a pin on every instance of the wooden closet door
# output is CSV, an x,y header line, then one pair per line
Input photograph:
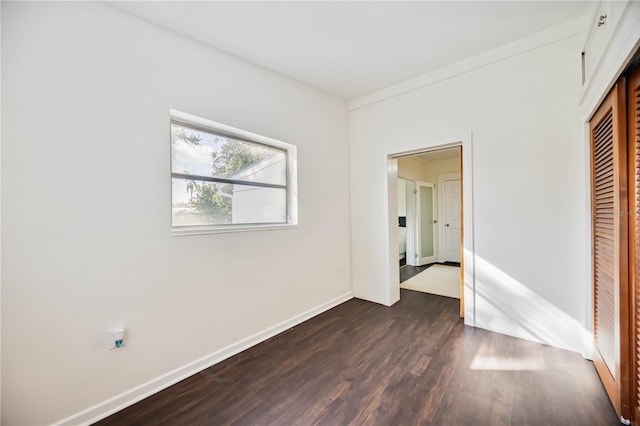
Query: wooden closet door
x,y
633,138
610,250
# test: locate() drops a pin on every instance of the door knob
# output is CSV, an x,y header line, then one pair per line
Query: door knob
x,y
447,224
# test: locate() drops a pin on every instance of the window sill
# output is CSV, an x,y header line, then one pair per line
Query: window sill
x,y
202,230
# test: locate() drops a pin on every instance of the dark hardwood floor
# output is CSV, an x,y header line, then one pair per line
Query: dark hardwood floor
x,y
414,363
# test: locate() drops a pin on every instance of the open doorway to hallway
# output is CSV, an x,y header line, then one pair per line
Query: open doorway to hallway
x,y
430,221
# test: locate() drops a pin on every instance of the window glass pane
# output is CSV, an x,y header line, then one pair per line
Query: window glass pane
x,y
426,221
254,204
209,203
201,153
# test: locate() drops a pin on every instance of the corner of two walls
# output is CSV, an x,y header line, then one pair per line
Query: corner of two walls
x,y
528,187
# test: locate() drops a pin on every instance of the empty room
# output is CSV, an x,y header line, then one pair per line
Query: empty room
x,y
205,207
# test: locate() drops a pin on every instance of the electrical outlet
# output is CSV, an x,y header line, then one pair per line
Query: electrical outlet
x,y
117,337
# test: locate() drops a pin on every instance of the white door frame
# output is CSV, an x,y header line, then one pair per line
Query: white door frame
x,y
468,220
441,213
419,258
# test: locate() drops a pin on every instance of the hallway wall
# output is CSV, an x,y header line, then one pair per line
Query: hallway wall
x,y
528,188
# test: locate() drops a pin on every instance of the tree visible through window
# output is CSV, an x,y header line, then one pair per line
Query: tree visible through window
x,y
219,178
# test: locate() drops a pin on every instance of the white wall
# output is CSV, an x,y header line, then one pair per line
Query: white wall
x,y
438,167
528,182
412,168
86,240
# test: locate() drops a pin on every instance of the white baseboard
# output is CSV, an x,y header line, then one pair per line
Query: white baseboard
x,y
130,397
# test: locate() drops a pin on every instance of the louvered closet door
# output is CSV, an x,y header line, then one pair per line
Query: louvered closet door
x,y
611,308
633,138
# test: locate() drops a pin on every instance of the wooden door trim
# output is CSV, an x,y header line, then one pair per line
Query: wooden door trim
x,y
461,236
620,132
615,382
633,81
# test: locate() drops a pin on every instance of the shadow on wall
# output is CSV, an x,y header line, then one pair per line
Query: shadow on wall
x,y
505,305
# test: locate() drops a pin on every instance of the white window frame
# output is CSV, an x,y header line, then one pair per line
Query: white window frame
x,y
291,179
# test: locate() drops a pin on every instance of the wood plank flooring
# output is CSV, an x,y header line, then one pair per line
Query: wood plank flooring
x,y
414,363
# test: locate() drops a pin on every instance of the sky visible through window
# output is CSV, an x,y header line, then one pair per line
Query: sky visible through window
x,y
190,158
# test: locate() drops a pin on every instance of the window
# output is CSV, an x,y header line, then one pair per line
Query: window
x,y
225,179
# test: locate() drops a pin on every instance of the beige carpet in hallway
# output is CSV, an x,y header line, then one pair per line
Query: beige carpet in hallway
x,y
442,280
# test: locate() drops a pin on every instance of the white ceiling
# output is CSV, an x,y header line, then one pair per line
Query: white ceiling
x,y
351,49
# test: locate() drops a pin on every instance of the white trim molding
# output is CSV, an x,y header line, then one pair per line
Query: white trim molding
x,y
619,49
469,248
145,390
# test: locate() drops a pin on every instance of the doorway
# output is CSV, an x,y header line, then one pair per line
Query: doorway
x,y
450,211
430,232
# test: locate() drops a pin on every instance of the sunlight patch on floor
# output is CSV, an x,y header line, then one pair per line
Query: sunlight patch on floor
x,y
487,359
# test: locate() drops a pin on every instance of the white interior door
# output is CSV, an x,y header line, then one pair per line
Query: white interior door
x,y
425,197
410,199
452,220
